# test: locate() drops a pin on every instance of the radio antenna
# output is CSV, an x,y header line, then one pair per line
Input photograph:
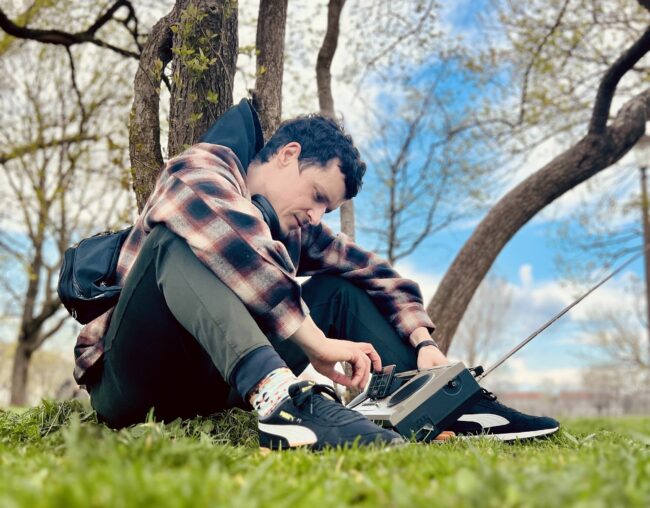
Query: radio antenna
x,y
557,316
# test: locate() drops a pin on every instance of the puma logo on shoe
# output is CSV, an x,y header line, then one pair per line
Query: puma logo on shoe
x,y
485,420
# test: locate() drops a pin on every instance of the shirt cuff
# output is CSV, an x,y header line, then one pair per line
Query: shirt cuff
x,y
410,318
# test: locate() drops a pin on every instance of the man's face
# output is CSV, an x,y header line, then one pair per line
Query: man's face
x,y
302,197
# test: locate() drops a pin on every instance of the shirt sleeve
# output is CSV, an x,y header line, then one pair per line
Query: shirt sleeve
x,y
397,298
203,201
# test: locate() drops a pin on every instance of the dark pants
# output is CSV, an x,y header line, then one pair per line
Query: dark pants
x,y
179,338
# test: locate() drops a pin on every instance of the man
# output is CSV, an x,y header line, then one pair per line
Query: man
x,y
211,314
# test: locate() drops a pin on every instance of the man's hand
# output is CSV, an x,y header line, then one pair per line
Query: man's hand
x,y
324,353
429,356
360,355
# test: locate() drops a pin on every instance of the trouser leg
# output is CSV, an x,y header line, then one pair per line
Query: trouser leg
x,y
342,310
177,336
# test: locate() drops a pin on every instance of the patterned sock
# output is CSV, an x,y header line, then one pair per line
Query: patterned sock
x,y
271,391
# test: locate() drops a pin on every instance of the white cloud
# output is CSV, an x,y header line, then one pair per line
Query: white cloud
x,y
518,374
526,275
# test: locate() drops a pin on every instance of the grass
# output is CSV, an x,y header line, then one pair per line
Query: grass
x,y
55,455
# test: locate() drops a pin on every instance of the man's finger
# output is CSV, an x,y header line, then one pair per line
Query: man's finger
x,y
366,374
340,378
371,352
364,380
359,368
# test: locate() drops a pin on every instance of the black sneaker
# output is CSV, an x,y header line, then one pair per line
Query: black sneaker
x,y
492,419
313,416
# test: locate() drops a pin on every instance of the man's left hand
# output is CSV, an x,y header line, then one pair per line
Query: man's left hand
x,y
429,356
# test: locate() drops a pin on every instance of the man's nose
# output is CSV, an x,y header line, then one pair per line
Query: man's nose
x,y
316,214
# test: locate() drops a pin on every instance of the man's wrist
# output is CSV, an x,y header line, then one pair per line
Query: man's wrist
x,y
425,343
308,337
419,335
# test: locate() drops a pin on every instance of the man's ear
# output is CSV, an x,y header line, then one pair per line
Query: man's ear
x,y
289,153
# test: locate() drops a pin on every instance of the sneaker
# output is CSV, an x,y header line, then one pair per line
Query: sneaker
x,y
313,416
492,419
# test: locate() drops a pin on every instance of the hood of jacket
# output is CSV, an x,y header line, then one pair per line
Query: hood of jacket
x,y
239,129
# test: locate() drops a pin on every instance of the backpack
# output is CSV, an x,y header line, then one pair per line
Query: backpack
x,y
87,277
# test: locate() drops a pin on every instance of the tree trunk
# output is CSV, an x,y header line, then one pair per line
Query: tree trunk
x,y
325,57
205,47
347,219
590,155
325,97
200,38
144,124
19,374
30,338
267,96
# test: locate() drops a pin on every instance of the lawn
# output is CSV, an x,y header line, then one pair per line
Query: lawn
x,y
55,455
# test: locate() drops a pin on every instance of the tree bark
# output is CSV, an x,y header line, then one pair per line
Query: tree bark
x,y
267,96
144,123
590,155
205,47
19,375
30,338
325,57
200,38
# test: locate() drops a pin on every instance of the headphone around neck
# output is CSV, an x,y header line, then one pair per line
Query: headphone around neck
x,y
269,215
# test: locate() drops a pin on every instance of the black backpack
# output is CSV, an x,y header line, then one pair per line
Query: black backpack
x,y
87,285
87,278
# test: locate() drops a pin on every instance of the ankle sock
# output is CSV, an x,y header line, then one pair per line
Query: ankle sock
x,y
271,391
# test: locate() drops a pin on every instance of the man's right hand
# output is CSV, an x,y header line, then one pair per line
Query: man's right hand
x,y
360,355
324,353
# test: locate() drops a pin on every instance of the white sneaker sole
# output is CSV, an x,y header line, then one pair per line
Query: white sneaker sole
x,y
512,435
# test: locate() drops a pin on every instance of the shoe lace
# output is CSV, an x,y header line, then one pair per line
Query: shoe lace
x,y
488,394
492,397
317,401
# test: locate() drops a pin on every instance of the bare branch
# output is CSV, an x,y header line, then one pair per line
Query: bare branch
x,y
617,70
531,63
75,87
67,39
417,28
11,251
46,335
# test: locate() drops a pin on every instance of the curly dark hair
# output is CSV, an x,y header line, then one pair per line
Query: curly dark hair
x,y
321,139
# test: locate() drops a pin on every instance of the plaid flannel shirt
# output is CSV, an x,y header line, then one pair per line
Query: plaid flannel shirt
x,y
202,196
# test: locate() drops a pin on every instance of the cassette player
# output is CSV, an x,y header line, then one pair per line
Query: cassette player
x,y
418,403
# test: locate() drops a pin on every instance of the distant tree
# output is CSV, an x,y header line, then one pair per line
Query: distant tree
x,y
615,336
427,173
484,324
58,183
